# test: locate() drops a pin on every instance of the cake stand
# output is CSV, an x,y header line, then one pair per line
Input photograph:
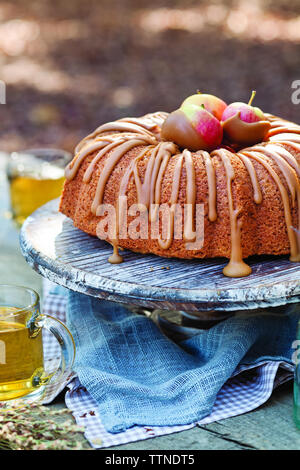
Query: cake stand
x,y
196,289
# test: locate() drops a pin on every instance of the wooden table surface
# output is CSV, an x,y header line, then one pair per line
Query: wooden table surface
x,y
269,427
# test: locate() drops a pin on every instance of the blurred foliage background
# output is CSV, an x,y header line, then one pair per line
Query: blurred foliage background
x,y
70,65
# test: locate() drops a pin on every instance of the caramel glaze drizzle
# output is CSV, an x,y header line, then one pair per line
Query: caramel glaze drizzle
x,y
282,128
165,244
123,135
295,248
189,231
236,266
148,192
288,137
144,125
212,186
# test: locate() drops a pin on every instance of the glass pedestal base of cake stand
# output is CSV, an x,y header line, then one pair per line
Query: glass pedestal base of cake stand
x,y
179,325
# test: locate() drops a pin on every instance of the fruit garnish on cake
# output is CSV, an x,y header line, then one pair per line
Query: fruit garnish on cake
x,y
244,124
236,162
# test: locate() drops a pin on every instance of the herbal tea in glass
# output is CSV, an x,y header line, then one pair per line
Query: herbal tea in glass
x,y
35,177
22,370
21,354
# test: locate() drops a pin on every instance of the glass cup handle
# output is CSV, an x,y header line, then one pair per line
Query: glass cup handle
x,y
67,346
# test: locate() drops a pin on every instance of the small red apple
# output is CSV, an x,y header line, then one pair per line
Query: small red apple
x,y
193,127
245,124
211,103
247,112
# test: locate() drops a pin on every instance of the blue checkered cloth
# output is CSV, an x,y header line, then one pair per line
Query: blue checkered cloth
x,y
137,377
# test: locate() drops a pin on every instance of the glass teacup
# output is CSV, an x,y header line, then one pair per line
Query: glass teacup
x,y
35,177
22,370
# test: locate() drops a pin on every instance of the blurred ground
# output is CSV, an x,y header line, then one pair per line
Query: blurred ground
x,y
71,65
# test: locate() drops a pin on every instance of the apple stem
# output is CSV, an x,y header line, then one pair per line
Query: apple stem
x,y
252,97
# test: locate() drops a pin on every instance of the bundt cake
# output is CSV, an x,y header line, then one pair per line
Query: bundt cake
x,y
250,197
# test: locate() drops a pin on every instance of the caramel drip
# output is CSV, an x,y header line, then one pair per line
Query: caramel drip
x,y
136,121
113,159
125,182
291,160
212,186
236,266
273,118
144,189
189,229
156,118
294,145
283,129
290,169
162,169
119,126
257,194
165,244
73,167
295,253
83,144
288,137
245,133
163,155
150,189
90,169
153,193
115,258
130,170
135,126
277,123
110,165
149,121
288,172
